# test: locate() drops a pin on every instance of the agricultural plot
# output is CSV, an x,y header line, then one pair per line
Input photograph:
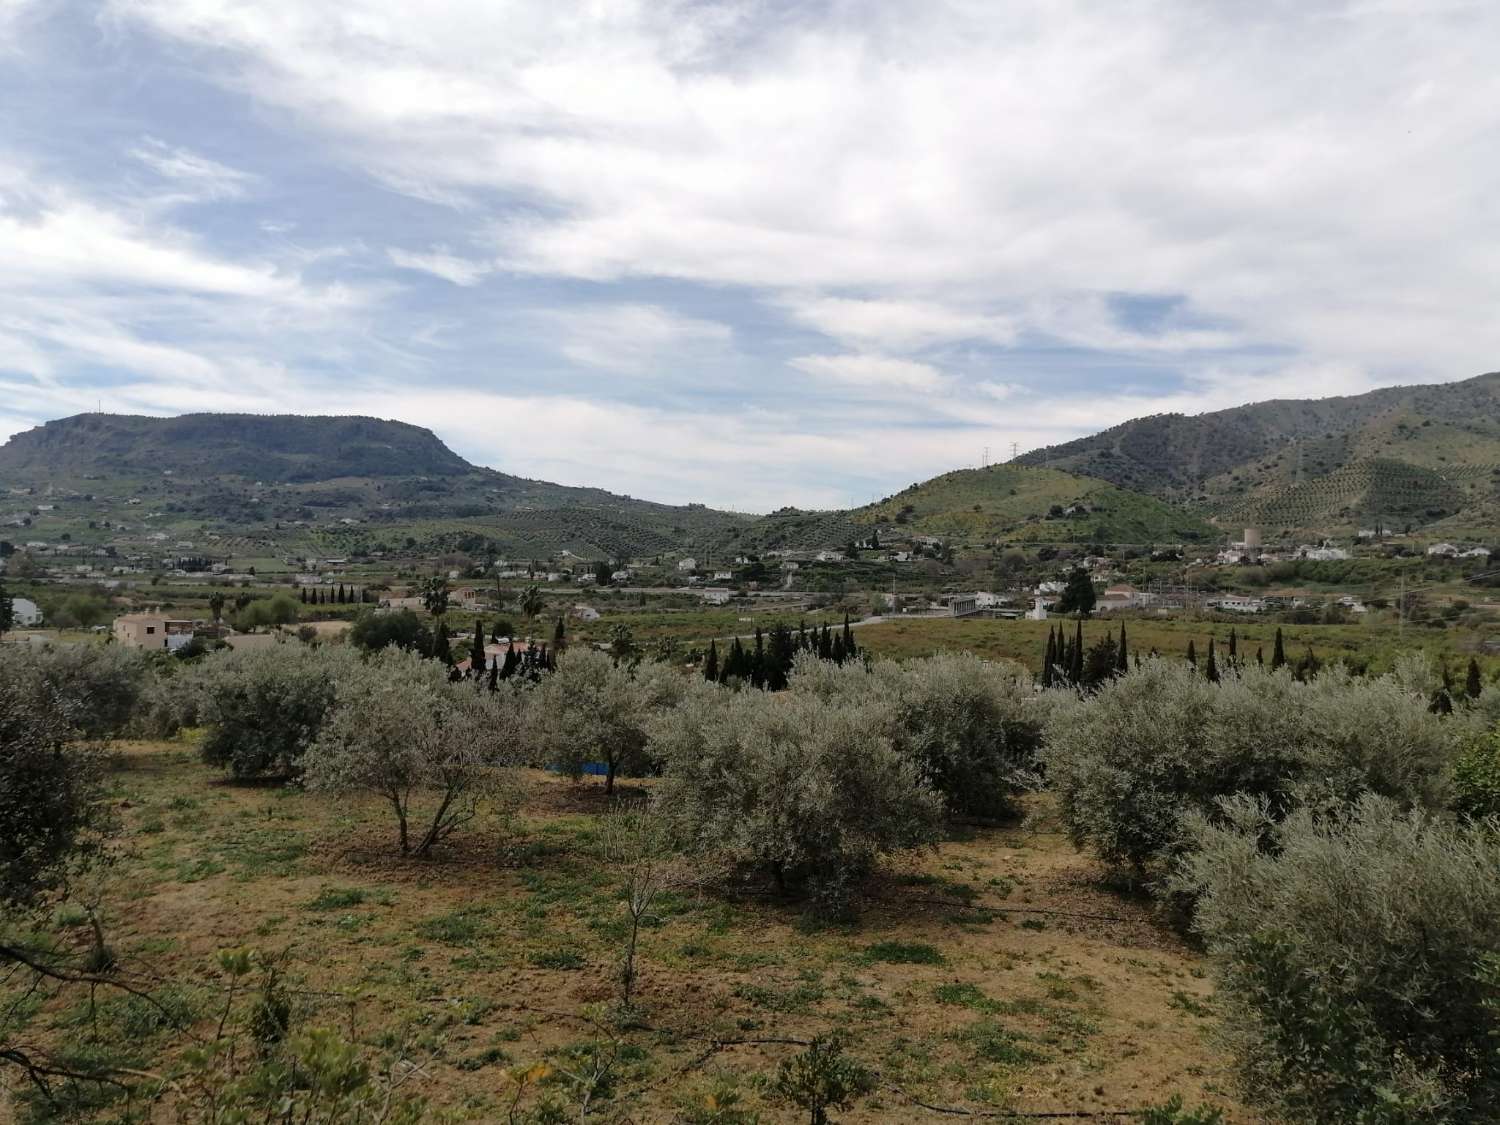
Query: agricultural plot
x,y
992,973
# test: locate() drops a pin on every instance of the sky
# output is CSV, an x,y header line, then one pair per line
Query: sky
x,y
748,254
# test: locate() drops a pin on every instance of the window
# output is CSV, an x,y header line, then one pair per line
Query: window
x,y
150,629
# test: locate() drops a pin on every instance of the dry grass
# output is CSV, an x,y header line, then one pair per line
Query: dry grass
x,y
994,973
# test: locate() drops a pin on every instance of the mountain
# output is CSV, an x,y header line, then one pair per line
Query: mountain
x,y
1424,456
288,484
278,448
1002,502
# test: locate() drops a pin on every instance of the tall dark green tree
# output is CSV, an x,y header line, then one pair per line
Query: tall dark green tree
x,y
1278,652
711,663
1050,659
7,610
1192,653
1213,667
849,649
442,648
476,649
1075,668
1260,655
559,638
1473,685
1123,655
1234,649
1078,595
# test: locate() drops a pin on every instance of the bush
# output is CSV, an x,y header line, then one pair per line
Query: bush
x,y
1476,778
265,707
98,686
403,629
811,793
48,788
1132,762
972,728
592,709
430,749
1355,957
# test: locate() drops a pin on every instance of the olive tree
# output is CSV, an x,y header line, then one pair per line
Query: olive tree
x,y
99,686
48,787
593,709
1357,956
434,751
809,792
1131,762
264,707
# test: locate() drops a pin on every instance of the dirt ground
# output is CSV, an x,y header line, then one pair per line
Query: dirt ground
x,y
996,973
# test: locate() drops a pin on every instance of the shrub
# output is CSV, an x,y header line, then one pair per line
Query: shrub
x,y
97,686
1353,958
1476,777
48,788
972,728
265,707
432,750
592,709
403,629
809,792
1130,763
821,1078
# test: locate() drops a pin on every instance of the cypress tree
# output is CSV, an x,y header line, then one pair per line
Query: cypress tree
x,y
302,591
1049,659
476,650
495,676
838,648
1472,684
1122,662
1192,653
849,649
1075,673
711,663
825,645
559,638
1234,651
441,649
1260,655
1213,667
758,661
1278,652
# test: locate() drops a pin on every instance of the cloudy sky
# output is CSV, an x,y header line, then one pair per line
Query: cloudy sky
x,y
746,253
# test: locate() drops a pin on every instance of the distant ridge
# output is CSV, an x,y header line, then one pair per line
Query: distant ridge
x,y
1425,455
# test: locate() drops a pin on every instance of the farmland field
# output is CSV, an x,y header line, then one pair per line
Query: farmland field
x,y
993,972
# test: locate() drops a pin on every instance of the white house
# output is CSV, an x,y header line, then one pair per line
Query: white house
x,y
1447,550
723,576
1475,553
25,613
1236,603
687,564
1038,611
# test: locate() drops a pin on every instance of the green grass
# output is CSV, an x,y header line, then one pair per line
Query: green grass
x,y
904,953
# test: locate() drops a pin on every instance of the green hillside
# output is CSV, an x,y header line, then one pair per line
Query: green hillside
x,y
1039,505
1424,455
264,486
1002,502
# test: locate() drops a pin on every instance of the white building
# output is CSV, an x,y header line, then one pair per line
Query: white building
x,y
585,613
1447,550
1236,603
1475,553
25,613
1038,611
687,564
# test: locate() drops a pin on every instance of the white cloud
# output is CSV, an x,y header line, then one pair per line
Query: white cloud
x,y
942,157
635,339
199,177
895,325
871,371
439,263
